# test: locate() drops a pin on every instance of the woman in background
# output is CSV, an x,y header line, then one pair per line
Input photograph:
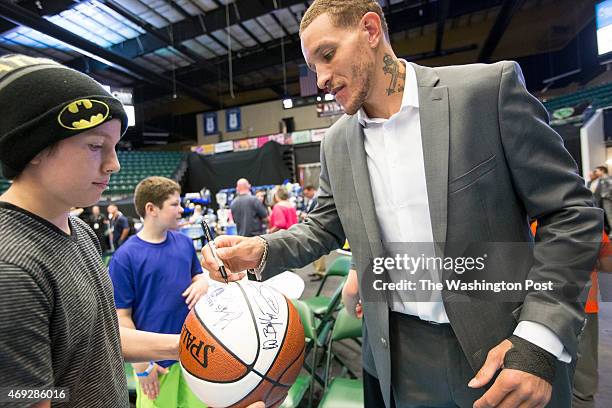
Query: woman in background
x,y
283,214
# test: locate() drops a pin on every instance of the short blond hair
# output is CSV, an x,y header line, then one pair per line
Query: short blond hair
x,y
343,13
154,190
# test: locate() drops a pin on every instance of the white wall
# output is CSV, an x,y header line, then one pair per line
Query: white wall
x,y
592,144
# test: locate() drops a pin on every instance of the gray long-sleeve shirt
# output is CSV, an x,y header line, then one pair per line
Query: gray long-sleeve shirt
x,y
248,213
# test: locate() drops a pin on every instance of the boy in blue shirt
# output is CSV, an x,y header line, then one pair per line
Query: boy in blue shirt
x,y
157,279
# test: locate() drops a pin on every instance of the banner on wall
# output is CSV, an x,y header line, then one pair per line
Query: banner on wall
x,y
211,126
302,136
224,147
316,135
245,144
205,149
331,108
232,120
262,140
278,138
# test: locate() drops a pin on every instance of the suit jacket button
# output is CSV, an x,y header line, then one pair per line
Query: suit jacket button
x,y
384,342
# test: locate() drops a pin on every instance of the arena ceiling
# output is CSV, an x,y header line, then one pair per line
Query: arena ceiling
x,y
176,53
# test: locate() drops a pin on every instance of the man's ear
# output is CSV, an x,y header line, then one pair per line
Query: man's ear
x,y
370,22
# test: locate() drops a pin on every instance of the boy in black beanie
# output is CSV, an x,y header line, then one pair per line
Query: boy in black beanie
x,y
59,335
58,326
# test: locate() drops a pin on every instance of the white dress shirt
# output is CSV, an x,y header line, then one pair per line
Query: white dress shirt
x,y
394,152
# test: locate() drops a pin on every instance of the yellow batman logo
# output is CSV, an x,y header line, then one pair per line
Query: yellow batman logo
x,y
83,114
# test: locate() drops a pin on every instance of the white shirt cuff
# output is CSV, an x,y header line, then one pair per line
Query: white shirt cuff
x,y
543,337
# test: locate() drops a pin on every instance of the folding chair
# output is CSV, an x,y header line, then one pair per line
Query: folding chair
x,y
342,392
340,267
303,381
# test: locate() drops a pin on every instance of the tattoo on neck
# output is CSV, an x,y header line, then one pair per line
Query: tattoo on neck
x,y
393,67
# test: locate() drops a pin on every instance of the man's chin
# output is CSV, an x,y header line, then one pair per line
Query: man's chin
x,y
351,109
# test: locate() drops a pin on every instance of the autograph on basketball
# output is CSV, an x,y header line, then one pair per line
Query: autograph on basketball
x,y
268,316
223,304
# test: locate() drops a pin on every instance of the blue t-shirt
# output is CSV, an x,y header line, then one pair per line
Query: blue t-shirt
x,y
150,278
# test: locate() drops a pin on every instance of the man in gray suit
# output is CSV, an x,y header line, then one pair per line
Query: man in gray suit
x,y
453,156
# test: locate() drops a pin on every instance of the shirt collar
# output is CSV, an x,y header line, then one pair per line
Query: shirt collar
x,y
410,98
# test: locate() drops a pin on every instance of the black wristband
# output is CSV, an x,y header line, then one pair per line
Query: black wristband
x,y
526,356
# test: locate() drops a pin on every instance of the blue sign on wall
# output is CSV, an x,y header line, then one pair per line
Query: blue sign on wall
x,y
232,120
210,123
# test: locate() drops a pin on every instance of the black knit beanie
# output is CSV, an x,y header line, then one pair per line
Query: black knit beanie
x,y
43,102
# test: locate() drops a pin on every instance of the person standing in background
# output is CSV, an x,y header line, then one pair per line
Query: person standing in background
x,y
283,214
247,211
318,265
157,279
119,226
100,225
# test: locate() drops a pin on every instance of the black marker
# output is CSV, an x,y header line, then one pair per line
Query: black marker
x,y
213,249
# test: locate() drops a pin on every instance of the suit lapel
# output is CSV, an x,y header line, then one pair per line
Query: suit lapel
x,y
434,116
361,178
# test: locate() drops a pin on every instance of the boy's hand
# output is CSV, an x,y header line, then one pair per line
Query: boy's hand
x,y
150,383
350,295
197,289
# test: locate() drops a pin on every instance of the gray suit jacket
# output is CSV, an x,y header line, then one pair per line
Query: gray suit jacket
x,y
491,163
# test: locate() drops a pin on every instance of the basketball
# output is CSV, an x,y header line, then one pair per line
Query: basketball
x,y
243,342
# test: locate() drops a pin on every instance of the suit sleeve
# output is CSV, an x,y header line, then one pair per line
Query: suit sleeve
x,y
306,242
545,177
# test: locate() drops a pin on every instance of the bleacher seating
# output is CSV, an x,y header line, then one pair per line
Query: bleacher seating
x,y
599,96
136,166
4,183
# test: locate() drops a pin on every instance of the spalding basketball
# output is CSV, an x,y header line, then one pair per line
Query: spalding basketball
x,y
243,342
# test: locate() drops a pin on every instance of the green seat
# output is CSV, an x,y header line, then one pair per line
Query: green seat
x,y
340,267
303,381
318,304
345,327
343,393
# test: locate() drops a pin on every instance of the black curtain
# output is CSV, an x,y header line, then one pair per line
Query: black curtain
x,y
261,166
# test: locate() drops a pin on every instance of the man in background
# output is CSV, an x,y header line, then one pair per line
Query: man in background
x,y
99,224
119,225
602,197
248,211
310,194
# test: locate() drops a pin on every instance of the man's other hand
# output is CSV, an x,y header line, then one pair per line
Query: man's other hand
x,y
512,388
